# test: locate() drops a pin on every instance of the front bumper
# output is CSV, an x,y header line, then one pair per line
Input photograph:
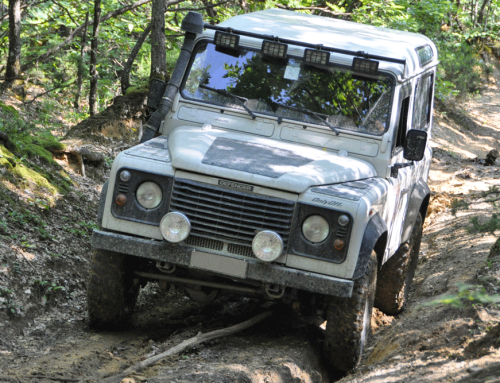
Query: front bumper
x,y
255,270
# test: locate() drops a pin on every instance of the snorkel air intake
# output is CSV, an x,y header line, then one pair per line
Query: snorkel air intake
x,y
192,25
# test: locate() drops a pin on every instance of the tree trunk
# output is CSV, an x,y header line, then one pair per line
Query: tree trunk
x,y
93,59
14,59
125,80
482,12
211,12
81,64
158,52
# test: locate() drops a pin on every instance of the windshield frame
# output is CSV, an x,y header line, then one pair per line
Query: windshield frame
x,y
318,124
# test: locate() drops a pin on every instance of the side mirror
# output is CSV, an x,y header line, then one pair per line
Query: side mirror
x,y
416,142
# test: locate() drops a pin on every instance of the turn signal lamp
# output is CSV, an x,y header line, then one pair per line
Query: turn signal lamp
x,y
313,56
364,65
273,49
121,199
338,244
227,40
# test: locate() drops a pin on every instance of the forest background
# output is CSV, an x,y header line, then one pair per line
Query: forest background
x,y
91,51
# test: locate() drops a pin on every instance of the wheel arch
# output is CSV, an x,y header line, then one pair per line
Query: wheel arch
x,y
374,238
102,202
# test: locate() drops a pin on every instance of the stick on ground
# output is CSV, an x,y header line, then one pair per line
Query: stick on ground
x,y
200,338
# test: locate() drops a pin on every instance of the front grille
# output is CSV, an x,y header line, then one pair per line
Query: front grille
x,y
206,243
230,216
240,250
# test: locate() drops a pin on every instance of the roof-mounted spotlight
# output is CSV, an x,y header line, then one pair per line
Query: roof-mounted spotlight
x,y
364,65
274,49
227,40
315,56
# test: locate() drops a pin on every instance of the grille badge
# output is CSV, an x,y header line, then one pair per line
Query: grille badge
x,y
235,185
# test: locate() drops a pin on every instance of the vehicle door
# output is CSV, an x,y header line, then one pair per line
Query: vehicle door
x,y
405,178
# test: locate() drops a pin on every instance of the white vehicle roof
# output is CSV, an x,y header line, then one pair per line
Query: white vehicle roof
x,y
339,34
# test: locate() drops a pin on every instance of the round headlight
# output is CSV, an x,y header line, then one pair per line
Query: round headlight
x,y
267,246
149,195
343,220
315,228
175,227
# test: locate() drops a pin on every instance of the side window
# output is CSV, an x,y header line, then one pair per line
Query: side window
x,y
404,107
403,122
422,105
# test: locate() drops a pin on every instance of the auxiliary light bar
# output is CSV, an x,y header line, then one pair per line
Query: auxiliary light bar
x,y
234,32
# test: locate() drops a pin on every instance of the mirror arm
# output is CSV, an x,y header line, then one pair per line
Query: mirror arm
x,y
395,168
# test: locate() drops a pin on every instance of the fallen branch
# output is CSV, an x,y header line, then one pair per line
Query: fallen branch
x,y
200,338
81,154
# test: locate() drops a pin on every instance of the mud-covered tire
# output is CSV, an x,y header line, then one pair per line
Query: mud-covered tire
x,y
111,292
396,275
348,323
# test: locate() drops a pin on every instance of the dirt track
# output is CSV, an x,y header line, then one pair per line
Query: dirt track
x,y
46,336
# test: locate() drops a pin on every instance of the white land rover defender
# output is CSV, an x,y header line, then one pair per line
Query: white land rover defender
x,y
287,157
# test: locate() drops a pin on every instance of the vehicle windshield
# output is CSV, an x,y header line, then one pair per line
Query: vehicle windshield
x,y
289,89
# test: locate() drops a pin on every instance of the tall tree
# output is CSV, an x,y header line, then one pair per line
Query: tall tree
x,y
125,80
81,64
93,59
158,50
14,59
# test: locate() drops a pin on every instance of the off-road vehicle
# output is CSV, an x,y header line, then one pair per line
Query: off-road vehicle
x,y
287,157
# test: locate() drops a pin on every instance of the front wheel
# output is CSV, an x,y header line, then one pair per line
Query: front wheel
x,y
349,321
396,275
111,293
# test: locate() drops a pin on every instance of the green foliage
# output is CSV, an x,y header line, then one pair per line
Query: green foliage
x,y
47,289
459,69
489,226
467,293
458,204
6,301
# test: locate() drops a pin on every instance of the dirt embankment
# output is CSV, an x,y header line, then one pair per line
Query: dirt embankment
x,y
44,334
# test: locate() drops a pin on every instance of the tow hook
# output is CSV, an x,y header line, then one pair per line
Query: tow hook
x,y
274,291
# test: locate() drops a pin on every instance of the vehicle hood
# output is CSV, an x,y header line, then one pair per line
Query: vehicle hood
x,y
261,161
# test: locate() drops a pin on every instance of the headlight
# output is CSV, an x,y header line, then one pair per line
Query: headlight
x,y
315,228
175,227
149,195
267,246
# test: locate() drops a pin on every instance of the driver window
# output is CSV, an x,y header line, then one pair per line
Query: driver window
x,y
400,134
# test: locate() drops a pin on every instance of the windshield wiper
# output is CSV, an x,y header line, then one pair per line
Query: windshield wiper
x,y
317,115
226,93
